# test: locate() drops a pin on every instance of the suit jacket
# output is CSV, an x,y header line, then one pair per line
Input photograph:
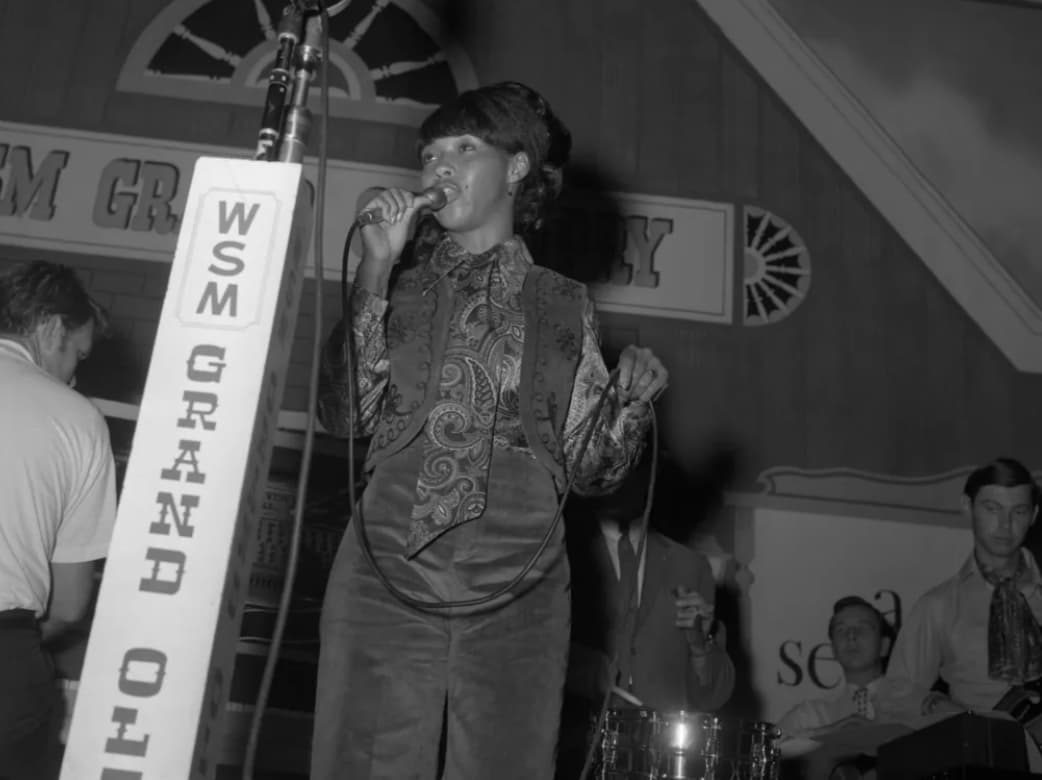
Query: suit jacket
x,y
661,668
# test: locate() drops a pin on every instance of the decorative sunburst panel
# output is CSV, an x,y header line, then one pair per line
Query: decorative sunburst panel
x,y
777,268
390,60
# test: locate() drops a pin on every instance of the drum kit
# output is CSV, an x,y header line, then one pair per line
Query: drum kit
x,y
638,743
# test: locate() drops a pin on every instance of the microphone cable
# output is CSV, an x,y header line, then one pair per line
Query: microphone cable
x,y
591,422
307,450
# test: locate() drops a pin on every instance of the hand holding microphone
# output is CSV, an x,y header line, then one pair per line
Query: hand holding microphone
x,y
386,224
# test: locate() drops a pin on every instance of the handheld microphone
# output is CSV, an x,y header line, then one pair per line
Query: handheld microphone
x,y
433,198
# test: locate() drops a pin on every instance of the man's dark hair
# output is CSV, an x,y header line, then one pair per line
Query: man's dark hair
x,y
856,601
1004,472
32,292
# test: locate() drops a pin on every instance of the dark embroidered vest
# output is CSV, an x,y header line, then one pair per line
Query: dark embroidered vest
x,y
417,329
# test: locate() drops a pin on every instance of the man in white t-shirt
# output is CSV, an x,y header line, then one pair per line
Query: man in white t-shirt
x,y
57,494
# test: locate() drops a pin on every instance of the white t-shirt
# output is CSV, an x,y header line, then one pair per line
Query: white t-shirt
x,y
57,480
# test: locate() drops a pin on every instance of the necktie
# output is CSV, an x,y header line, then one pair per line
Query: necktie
x,y
628,567
862,705
1014,637
627,609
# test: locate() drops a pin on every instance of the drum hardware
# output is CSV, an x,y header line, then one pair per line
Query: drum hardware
x,y
639,743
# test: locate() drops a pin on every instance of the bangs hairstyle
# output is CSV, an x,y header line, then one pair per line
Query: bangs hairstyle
x,y
513,118
1003,472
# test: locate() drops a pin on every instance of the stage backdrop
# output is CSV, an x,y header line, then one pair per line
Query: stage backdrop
x,y
801,563
821,304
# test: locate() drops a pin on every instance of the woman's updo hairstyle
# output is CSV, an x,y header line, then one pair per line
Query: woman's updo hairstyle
x,y
514,118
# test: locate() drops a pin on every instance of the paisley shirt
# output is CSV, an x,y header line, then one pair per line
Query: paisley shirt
x,y
477,395
477,407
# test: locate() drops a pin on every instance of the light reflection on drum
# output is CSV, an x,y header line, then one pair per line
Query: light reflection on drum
x,y
642,744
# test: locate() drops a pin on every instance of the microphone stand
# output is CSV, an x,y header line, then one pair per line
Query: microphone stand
x,y
285,130
291,28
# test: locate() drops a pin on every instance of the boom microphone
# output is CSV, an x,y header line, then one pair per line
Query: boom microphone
x,y
433,198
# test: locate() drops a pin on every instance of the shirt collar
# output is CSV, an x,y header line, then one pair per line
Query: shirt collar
x,y
612,533
970,567
848,689
17,349
511,257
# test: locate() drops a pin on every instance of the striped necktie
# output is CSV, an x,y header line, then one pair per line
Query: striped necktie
x,y
862,705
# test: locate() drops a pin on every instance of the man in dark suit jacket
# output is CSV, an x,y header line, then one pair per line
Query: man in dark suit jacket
x,y
668,654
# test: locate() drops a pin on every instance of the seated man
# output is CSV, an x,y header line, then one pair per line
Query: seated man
x,y
668,651
860,638
978,630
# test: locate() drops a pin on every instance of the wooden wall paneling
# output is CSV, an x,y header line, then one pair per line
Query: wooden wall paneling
x,y
153,116
343,139
297,392
298,371
827,341
781,140
867,410
740,128
404,153
52,65
22,30
699,400
1025,413
745,406
95,66
706,400
575,94
474,25
900,357
1000,423
695,90
667,103
139,15
620,85
779,345
374,142
663,138
782,364
244,123
547,55
947,423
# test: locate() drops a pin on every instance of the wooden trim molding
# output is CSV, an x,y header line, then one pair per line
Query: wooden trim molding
x,y
933,499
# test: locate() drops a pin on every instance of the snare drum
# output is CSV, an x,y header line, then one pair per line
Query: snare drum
x,y
630,742
695,746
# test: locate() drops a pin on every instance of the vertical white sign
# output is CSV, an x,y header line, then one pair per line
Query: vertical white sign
x,y
158,665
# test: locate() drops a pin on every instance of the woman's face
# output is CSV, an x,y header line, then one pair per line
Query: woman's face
x,y
478,178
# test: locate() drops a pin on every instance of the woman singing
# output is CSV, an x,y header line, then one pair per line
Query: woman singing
x,y
476,373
